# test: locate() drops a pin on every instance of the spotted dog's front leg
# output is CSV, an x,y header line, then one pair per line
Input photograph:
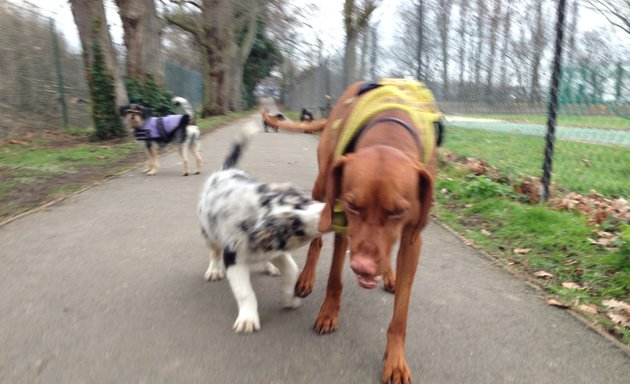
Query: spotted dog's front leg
x,y
216,270
288,272
239,277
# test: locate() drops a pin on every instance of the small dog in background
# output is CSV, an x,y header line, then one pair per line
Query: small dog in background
x,y
306,115
277,116
157,132
245,222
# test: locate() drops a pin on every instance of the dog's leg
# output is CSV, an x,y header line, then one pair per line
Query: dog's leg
x,y
183,153
288,270
149,159
395,368
328,316
306,280
216,269
239,278
153,159
389,281
271,269
195,146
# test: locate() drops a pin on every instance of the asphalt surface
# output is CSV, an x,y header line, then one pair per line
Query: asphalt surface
x,y
107,287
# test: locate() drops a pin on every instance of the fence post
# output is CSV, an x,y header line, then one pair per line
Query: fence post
x,y
553,103
60,84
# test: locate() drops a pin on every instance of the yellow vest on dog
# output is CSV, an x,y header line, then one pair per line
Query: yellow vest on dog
x,y
410,96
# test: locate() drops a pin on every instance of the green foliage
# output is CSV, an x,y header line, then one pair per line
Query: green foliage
x,y
149,94
624,239
262,58
483,187
102,89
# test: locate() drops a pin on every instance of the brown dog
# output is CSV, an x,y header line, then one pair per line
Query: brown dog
x,y
376,166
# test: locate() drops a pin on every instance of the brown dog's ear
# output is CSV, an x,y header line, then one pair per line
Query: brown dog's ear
x,y
425,190
333,191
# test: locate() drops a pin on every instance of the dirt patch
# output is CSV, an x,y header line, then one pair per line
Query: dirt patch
x,y
28,196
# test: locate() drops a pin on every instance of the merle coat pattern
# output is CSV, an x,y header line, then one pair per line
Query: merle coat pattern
x,y
244,222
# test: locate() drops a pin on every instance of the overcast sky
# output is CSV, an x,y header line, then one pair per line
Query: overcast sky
x,y
326,21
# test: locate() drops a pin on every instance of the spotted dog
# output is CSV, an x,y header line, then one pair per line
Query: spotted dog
x,y
157,132
246,222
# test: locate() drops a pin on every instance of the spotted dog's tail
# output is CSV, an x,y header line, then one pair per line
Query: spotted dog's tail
x,y
239,144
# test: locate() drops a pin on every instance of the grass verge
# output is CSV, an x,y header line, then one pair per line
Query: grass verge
x,y
538,241
577,167
37,168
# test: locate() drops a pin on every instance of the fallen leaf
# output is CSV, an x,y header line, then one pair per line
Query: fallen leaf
x,y
469,242
522,251
588,308
616,304
571,285
557,303
543,274
485,232
619,319
101,157
444,191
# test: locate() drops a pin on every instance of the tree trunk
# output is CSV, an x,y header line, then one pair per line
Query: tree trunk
x,y
444,25
89,16
240,54
463,39
494,29
538,46
142,38
507,22
481,22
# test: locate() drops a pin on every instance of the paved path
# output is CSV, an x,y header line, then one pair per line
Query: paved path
x,y
589,135
107,287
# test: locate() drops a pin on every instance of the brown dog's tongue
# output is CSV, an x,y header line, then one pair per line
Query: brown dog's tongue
x,y
367,283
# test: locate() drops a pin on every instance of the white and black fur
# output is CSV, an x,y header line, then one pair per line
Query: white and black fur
x,y
246,222
187,136
186,108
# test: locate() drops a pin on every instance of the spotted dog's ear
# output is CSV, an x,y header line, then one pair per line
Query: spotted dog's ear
x,y
123,110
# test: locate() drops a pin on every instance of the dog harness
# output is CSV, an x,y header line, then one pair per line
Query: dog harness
x,y
160,128
410,96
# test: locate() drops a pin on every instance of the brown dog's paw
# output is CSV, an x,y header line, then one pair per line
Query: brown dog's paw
x,y
304,284
325,324
185,174
389,283
395,369
197,172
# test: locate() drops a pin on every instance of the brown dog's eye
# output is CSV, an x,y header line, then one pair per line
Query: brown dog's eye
x,y
352,208
397,213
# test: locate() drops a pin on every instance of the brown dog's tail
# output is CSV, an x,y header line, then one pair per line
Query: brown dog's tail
x,y
294,126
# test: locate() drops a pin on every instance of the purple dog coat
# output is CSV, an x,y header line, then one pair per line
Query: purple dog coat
x,y
158,128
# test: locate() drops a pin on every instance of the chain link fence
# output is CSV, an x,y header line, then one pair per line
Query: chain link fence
x,y
489,64
42,78
38,74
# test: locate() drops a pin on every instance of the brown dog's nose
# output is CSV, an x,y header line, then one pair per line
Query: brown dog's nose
x,y
363,266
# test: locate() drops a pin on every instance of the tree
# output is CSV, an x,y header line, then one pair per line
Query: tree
x,y
444,8
356,18
539,41
142,34
100,66
263,57
224,30
495,20
617,12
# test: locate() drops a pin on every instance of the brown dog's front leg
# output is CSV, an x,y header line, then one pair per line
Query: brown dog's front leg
x,y
306,280
396,370
328,316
